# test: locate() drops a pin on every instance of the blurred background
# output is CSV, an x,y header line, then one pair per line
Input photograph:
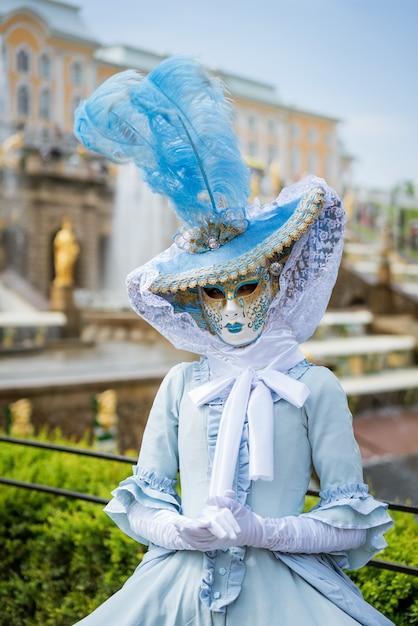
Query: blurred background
x,y
325,88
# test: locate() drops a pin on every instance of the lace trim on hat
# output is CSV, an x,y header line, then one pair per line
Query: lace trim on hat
x,y
305,215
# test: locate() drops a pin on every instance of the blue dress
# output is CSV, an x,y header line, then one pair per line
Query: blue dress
x,y
245,585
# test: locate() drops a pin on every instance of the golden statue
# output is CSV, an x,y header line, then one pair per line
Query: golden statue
x,y
20,413
275,178
254,186
349,202
106,415
10,150
66,251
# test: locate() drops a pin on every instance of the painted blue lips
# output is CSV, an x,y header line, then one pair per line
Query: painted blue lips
x,y
234,328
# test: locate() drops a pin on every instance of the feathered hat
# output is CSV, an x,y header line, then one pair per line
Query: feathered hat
x,y
175,124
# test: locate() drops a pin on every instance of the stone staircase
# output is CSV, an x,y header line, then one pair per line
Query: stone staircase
x,y
367,259
375,370
26,323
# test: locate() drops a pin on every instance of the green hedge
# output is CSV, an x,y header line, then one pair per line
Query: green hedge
x,y
62,557
395,595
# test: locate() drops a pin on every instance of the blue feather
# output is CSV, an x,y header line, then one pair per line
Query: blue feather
x,y
175,125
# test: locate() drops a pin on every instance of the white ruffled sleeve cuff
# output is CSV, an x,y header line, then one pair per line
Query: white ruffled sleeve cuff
x,y
150,490
351,506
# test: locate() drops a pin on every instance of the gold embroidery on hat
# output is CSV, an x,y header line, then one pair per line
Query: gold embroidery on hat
x,y
304,216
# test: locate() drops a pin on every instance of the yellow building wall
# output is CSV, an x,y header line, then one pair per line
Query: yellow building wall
x,y
106,71
260,133
23,30
323,145
282,141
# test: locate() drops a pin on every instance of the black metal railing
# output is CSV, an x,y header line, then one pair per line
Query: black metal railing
x,y
394,506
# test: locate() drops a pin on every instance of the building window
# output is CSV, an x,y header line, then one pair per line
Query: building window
x,y
45,105
23,101
312,162
313,134
252,149
271,127
75,103
295,161
329,137
272,154
23,61
329,166
294,130
252,121
45,66
77,74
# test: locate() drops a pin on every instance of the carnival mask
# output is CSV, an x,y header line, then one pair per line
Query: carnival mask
x,y
236,309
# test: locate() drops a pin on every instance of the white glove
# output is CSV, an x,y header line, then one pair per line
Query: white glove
x,y
159,526
221,527
291,533
309,536
251,529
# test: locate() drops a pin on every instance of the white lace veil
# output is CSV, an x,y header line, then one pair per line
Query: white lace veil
x,y
306,282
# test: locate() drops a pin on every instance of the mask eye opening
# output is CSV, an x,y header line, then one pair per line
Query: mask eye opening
x,y
246,289
215,293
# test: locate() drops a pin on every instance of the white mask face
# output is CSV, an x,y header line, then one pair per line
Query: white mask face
x,y
236,309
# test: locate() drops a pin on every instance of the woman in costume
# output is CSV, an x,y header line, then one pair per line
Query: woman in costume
x,y
246,425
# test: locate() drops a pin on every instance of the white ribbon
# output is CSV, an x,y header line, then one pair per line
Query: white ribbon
x,y
250,393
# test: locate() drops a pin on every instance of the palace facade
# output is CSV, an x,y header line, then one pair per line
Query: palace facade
x,y
49,61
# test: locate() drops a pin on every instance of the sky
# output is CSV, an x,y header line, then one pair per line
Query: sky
x,y
354,60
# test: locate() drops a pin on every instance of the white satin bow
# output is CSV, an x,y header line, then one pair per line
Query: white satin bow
x,y
250,394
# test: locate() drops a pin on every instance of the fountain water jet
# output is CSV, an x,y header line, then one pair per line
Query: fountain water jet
x,y
4,95
142,226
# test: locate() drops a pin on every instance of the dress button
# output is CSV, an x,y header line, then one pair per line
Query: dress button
x,y
222,571
217,595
